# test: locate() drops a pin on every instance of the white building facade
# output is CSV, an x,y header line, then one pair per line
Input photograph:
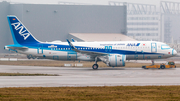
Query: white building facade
x,y
143,22
143,27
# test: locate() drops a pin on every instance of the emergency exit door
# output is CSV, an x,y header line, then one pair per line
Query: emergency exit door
x,y
153,47
40,49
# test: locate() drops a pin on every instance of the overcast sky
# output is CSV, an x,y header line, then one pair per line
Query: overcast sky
x,y
102,2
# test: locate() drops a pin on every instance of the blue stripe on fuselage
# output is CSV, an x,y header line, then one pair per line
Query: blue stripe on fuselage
x,y
92,49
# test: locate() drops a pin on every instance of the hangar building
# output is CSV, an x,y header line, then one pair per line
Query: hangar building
x,y
59,22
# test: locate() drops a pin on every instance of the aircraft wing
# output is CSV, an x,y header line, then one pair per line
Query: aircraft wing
x,y
85,52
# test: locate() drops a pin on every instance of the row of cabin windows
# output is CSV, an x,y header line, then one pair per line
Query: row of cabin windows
x,y
130,47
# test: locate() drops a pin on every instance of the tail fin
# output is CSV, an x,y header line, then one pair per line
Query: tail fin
x,y
20,33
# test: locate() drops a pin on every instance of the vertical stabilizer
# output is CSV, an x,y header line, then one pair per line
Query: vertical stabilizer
x,y
20,33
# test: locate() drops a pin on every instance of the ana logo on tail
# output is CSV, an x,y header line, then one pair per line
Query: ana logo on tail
x,y
22,30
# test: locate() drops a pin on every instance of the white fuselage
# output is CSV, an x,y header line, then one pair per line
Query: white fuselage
x,y
134,50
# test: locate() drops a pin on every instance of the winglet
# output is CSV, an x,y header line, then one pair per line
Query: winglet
x,y
73,40
70,44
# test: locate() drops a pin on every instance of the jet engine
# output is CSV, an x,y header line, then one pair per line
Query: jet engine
x,y
114,60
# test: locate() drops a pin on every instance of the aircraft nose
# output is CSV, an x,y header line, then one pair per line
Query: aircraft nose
x,y
174,52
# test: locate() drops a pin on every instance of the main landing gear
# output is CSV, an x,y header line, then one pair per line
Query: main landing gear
x,y
95,66
152,62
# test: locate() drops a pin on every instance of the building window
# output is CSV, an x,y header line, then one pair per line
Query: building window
x,y
130,34
138,34
142,23
143,29
142,18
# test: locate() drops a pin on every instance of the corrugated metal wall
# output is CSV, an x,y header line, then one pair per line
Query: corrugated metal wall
x,y
5,37
55,22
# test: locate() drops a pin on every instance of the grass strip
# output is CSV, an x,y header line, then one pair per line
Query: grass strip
x,y
120,93
26,74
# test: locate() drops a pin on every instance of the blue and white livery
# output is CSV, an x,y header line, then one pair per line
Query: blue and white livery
x,y
111,53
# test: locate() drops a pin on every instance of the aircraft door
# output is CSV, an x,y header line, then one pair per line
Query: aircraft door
x,y
110,48
153,47
71,56
40,49
106,48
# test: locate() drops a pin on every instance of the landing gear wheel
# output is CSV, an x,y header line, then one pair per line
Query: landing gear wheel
x,y
162,67
95,66
29,56
33,57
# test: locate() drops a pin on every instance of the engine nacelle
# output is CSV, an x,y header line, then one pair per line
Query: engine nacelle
x,y
116,60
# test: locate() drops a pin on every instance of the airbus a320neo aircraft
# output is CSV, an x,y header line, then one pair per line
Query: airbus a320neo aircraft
x,y
113,53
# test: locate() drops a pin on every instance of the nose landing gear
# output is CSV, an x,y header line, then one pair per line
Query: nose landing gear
x,y
152,62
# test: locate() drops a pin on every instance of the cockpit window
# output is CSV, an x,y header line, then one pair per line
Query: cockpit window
x,y
165,47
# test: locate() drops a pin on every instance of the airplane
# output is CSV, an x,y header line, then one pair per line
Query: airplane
x,y
112,53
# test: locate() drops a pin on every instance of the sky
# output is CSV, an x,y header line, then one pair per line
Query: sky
x,y
100,2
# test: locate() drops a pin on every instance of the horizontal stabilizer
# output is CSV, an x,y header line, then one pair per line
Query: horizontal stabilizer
x,y
17,48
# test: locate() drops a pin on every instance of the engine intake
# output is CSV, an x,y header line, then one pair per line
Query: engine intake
x,y
117,60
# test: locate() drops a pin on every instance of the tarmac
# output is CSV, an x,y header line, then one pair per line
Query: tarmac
x,y
83,77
